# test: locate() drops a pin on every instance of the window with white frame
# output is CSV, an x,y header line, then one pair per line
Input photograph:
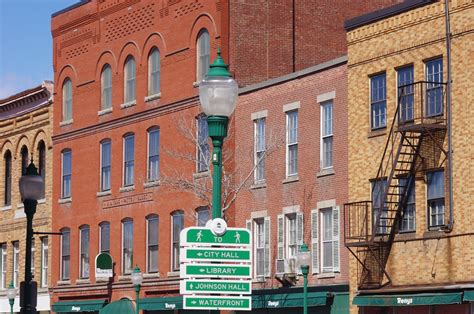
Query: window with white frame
x,y
16,262
106,84
260,227
203,215
44,261
435,198
65,253
406,96
154,72
127,246
3,265
292,143
67,100
177,224
326,134
104,234
66,173
203,47
152,243
434,88
105,164
407,222
291,242
130,82
378,103
153,154
128,159
203,152
259,148
326,240
325,226
84,251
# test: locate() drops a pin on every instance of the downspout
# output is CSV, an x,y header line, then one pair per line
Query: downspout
x,y
448,112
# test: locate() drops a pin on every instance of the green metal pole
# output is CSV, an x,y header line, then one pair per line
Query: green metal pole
x,y
305,270
137,300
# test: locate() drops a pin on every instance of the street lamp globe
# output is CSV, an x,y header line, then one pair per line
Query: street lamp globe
x,y
137,276
31,184
11,292
303,258
218,92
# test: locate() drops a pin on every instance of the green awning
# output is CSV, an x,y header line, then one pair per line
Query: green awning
x,y
78,306
407,299
123,306
161,304
468,295
269,301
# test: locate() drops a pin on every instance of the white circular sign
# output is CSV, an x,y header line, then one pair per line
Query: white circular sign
x,y
209,224
218,226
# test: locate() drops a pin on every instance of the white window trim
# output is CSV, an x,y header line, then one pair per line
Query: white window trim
x,y
44,283
153,216
286,234
287,145
255,239
326,96
123,246
4,257
80,252
259,115
16,266
69,151
255,151
61,274
322,137
149,94
123,160
171,238
291,106
152,129
125,81
321,230
101,166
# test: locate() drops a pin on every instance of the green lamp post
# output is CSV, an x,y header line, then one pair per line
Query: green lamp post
x,y
11,294
137,279
304,258
218,94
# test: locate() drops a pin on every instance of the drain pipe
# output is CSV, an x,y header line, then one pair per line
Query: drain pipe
x,y
448,112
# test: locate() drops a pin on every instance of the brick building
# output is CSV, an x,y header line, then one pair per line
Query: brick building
x,y
25,133
413,241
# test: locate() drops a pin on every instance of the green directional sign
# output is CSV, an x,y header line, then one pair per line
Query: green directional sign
x,y
217,303
204,236
215,271
215,286
215,254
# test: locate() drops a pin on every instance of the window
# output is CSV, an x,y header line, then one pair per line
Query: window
x,y
129,159
25,158
378,102
153,154
104,244
84,251
379,188
152,243
203,215
292,143
42,164
44,262
177,220
326,134
326,239
405,94
434,90
65,253
130,71
259,156
3,266
203,55
292,245
127,246
261,244
66,174
105,165
16,262
7,201
408,212
436,198
106,84
203,152
67,100
154,72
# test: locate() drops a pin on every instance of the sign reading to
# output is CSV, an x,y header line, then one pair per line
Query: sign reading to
x,y
217,303
205,237
215,254
204,286
103,266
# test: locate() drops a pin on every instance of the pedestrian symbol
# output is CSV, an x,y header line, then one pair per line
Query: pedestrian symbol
x,y
237,237
199,236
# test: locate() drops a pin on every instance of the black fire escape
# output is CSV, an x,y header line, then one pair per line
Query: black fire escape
x,y
414,141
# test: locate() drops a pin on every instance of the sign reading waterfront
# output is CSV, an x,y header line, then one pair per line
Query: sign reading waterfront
x,y
214,254
217,303
204,286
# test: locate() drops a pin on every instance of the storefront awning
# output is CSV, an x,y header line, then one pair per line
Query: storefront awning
x,y
161,304
408,299
269,301
468,295
123,306
78,306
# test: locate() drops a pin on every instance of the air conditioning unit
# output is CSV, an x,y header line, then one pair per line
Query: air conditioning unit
x,y
286,266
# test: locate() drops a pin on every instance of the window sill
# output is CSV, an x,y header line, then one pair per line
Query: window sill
x,y
83,281
20,205
199,175
433,233
124,278
173,273
290,179
19,213
325,172
102,279
406,235
63,282
196,84
42,201
326,275
377,132
151,275
152,97
6,208
64,123
151,184
104,193
65,200
258,185
128,104
129,188
104,111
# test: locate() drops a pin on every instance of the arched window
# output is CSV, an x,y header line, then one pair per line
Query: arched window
x,y
106,84
7,159
177,224
67,100
65,253
42,164
130,74
24,159
104,242
152,242
154,72
127,246
84,231
203,48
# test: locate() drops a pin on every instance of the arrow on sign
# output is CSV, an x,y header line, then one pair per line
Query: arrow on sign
x,y
191,286
202,270
199,254
193,302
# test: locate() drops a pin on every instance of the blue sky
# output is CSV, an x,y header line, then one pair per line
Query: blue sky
x,y
25,43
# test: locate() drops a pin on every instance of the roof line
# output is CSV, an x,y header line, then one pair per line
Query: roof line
x,y
69,8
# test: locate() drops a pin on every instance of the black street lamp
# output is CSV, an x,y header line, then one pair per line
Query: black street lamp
x,y
31,190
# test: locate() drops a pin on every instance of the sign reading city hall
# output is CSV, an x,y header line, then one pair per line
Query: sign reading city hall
x,y
216,267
